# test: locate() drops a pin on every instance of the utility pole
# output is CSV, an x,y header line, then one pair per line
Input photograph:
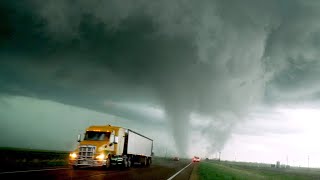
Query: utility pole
x,y
219,155
166,153
308,161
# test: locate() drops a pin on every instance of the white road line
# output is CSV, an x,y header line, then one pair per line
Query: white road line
x,y
36,170
178,172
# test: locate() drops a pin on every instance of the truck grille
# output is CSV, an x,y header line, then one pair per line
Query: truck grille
x,y
86,152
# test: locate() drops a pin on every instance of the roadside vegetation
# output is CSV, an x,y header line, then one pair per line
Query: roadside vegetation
x,y
20,159
221,170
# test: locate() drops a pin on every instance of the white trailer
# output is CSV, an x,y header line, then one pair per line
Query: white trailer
x,y
138,148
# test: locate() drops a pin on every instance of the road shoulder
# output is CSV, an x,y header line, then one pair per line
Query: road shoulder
x,y
194,173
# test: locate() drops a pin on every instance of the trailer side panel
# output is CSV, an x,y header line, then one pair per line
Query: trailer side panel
x,y
138,144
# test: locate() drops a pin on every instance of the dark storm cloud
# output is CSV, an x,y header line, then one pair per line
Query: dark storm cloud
x,y
215,57
292,54
77,58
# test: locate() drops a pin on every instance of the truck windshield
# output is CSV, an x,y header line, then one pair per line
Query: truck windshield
x,y
96,136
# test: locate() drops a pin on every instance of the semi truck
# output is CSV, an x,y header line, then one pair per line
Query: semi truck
x,y
107,146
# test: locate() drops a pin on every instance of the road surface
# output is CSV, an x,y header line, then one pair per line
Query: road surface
x,y
160,169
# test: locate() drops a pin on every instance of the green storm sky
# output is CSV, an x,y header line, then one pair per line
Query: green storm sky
x,y
64,62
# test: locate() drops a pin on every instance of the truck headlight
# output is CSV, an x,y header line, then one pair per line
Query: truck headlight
x,y
73,155
100,157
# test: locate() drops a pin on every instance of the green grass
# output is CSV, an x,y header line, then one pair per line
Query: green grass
x,y
19,159
216,170
30,150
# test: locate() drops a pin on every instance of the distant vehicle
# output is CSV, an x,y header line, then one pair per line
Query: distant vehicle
x,y
108,145
196,159
176,158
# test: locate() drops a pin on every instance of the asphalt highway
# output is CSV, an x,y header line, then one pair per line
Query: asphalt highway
x,y
160,169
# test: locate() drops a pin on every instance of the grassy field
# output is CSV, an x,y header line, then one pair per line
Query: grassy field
x,y
220,170
21,159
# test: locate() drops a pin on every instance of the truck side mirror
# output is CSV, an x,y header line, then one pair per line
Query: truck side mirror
x,y
79,137
116,140
112,136
113,139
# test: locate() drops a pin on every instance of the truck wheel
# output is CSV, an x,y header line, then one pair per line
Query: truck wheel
x,y
125,163
148,162
108,163
144,162
129,162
